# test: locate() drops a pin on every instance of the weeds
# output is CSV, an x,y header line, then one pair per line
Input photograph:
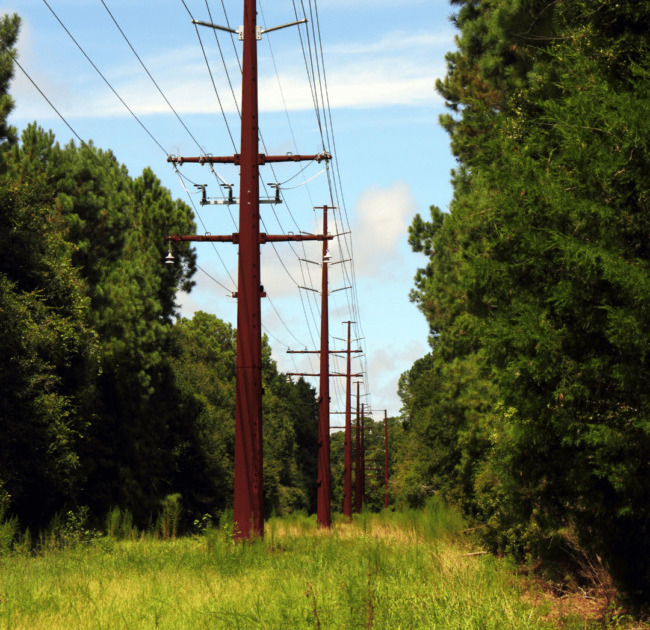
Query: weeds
x,y
383,572
8,532
119,525
169,517
311,595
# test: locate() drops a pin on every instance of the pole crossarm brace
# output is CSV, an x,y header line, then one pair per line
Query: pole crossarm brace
x,y
236,159
240,31
277,28
215,26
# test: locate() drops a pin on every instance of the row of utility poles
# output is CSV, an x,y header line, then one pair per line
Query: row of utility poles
x,y
248,491
359,457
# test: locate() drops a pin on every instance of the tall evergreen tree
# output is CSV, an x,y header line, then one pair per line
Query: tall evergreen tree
x,y
541,266
48,354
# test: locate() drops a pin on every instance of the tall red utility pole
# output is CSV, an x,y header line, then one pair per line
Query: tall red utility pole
x,y
323,505
358,494
347,467
363,454
248,508
385,458
248,496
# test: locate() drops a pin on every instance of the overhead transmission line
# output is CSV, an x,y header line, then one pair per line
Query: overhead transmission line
x,y
225,119
326,127
134,114
105,79
126,39
214,85
322,89
49,102
223,286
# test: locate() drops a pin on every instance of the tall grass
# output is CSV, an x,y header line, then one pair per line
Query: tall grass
x,y
392,571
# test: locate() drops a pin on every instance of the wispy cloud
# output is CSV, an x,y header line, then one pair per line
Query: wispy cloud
x,y
397,69
390,363
382,216
360,4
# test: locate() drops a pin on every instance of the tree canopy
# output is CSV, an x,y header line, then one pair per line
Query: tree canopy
x,y
536,287
107,396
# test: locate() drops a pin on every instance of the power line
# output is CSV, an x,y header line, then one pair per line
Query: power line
x,y
119,28
223,61
58,113
214,85
223,286
283,322
105,79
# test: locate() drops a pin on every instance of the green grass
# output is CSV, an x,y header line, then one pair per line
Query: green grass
x,y
402,570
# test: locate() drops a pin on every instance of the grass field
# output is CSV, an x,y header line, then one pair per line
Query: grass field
x,y
391,570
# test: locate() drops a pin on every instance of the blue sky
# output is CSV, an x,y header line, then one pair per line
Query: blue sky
x,y
392,159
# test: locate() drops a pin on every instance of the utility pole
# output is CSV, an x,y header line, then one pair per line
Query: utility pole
x,y
347,467
323,510
358,494
363,454
323,504
385,458
248,496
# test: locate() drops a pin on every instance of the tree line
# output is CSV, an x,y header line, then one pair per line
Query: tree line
x,y
532,409
107,397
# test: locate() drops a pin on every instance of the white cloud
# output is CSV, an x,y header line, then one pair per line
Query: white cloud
x,y
381,221
375,4
394,42
400,68
386,365
210,295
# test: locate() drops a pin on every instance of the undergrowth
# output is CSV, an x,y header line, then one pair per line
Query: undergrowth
x,y
393,570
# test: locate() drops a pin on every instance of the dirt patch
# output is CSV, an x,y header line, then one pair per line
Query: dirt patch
x,y
596,609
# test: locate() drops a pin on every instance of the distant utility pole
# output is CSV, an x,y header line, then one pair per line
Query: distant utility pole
x,y
363,454
358,475
248,497
324,497
385,458
347,466
323,505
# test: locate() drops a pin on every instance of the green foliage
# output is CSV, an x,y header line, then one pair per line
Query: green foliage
x,y
119,525
9,529
48,354
202,353
204,371
9,25
105,399
537,283
69,530
169,517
